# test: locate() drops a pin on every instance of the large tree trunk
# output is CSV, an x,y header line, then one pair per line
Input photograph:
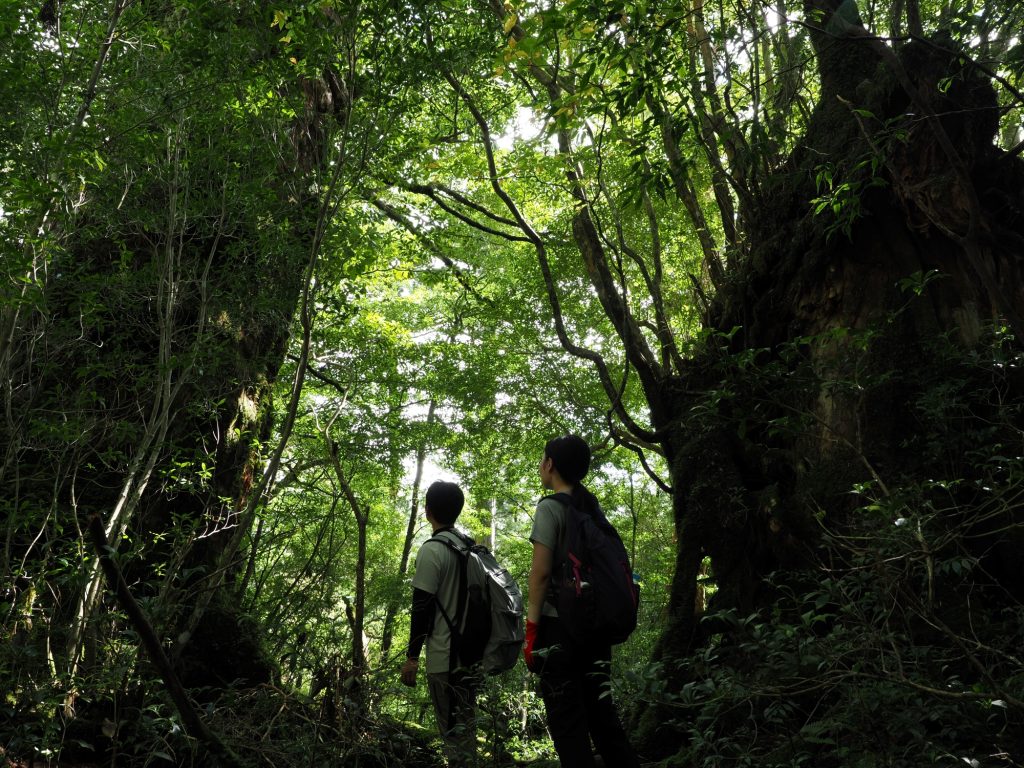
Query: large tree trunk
x,y
829,303
214,412
141,382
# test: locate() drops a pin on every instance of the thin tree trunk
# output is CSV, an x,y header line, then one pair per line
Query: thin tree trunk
x,y
896,18
494,526
410,531
358,637
361,514
914,25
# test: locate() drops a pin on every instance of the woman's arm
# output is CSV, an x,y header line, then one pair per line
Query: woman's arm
x,y
540,577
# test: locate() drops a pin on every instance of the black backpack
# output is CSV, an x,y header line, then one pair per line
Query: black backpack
x,y
487,628
592,583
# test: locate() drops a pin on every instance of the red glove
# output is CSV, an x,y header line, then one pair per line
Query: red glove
x,y
531,638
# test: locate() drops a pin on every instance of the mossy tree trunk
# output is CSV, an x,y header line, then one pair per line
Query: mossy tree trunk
x,y
142,360
839,311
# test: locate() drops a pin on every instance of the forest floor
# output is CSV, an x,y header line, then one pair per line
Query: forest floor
x,y
9,762
16,763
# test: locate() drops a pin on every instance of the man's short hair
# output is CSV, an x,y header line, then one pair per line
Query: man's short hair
x,y
444,501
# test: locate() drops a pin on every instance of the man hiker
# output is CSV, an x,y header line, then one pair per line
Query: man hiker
x,y
435,598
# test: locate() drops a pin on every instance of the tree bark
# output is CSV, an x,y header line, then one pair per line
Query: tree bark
x,y
747,498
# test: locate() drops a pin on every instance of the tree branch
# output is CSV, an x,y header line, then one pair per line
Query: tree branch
x,y
670,351
589,242
431,191
445,206
686,193
400,218
190,720
652,282
630,445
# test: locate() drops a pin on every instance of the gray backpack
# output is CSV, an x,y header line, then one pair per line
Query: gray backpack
x,y
487,628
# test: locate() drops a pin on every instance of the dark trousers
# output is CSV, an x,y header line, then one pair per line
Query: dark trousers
x,y
574,683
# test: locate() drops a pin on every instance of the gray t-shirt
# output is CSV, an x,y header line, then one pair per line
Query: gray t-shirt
x,y
549,530
437,572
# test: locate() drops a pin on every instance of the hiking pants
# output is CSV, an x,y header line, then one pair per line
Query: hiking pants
x,y
572,681
454,698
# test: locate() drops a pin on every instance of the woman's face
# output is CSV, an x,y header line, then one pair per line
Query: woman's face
x,y
546,465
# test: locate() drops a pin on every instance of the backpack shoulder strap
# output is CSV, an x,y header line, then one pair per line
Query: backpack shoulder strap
x,y
561,497
454,621
596,515
465,543
560,555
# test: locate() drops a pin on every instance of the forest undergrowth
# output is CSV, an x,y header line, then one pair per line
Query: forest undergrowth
x,y
899,646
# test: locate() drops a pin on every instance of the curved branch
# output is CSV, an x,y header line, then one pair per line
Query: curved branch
x,y
686,193
433,189
400,218
589,243
539,247
670,350
465,219
637,351
651,282
630,445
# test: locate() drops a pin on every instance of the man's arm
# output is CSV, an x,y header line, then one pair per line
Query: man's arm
x,y
422,613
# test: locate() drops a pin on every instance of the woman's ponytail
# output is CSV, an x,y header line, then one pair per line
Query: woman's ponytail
x,y
570,455
585,500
